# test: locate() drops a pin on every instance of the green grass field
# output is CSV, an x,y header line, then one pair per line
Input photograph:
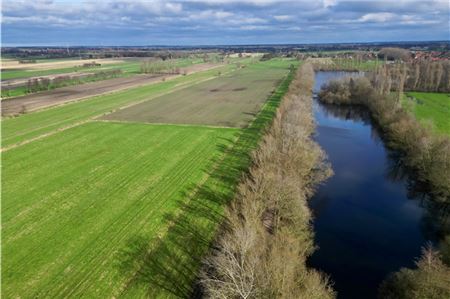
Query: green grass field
x,y
108,209
71,202
231,100
432,108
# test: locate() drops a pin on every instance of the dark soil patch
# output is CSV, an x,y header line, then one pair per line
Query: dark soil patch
x,y
240,89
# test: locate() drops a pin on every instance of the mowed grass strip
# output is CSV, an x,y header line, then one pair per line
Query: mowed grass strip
x,y
231,100
434,108
73,202
32,125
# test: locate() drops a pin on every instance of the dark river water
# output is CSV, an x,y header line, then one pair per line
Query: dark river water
x,y
366,222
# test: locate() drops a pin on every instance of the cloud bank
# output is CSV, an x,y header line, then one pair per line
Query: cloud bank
x,y
219,22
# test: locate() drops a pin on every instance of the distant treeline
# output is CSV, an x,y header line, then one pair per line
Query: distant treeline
x,y
41,84
422,75
427,154
159,67
267,236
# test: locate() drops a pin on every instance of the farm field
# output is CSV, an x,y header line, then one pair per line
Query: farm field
x,y
70,93
9,74
114,209
18,86
94,188
432,107
128,66
33,125
231,100
53,64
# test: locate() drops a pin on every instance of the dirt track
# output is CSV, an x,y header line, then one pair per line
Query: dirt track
x,y
62,95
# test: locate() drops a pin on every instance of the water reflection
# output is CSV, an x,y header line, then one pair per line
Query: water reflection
x,y
371,217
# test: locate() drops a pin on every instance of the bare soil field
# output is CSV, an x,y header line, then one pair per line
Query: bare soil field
x,y
228,101
62,95
15,65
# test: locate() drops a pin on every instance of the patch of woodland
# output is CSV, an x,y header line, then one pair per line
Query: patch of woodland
x,y
267,236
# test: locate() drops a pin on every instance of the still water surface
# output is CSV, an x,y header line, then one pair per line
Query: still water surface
x,y
366,222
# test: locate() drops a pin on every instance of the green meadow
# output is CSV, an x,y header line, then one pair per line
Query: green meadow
x,y
432,108
122,209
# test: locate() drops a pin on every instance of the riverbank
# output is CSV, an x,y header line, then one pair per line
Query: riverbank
x,y
267,236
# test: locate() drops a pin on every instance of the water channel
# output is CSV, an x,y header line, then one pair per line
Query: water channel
x,y
367,221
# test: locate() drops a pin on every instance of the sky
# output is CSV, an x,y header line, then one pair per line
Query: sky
x,y
220,22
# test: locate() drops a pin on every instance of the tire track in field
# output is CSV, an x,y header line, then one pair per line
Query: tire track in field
x,y
124,232
118,187
170,183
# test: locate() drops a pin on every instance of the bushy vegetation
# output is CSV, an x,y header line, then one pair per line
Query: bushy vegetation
x,y
267,237
431,280
394,54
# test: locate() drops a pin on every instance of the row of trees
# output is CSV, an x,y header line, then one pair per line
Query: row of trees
x,y
423,75
159,67
41,84
429,156
267,235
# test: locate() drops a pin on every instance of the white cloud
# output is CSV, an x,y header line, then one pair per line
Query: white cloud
x,y
377,17
174,7
283,17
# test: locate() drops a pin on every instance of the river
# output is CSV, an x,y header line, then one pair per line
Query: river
x,y
367,224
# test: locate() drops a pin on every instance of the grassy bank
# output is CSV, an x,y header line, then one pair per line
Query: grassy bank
x,y
431,108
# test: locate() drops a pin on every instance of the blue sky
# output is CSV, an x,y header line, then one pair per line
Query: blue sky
x,y
213,22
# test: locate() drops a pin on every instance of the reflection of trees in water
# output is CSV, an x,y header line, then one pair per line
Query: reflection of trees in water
x,y
435,223
347,112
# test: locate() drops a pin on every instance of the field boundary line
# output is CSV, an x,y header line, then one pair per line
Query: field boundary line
x,y
164,124
94,118
75,100
7,148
